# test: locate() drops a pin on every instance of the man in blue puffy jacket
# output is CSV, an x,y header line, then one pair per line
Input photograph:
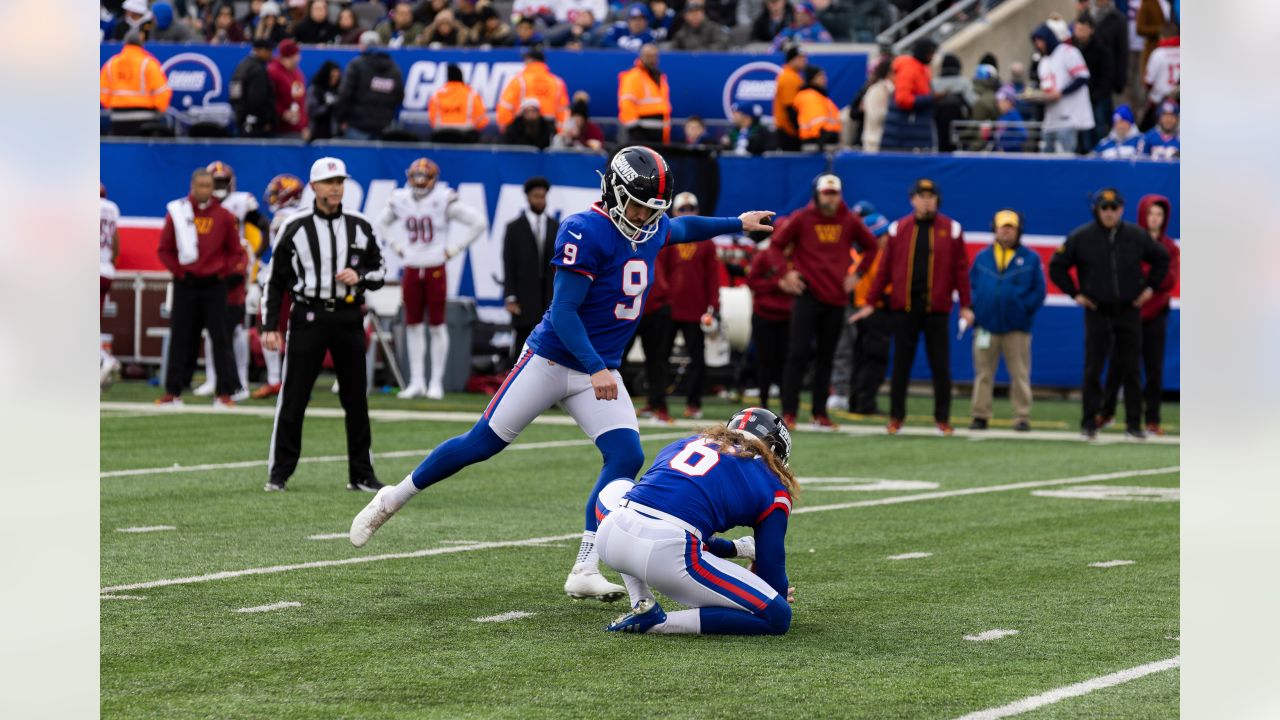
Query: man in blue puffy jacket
x,y
1007,281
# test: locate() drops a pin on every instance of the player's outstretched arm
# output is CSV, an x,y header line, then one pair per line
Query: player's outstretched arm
x,y
692,228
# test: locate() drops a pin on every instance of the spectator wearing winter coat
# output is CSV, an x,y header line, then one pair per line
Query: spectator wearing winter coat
x,y
773,18
1112,33
444,31
289,88
224,30
322,100
316,29
836,17
986,81
530,128
955,98
372,91
909,123
1162,142
790,82
804,28
748,136
349,29
1064,84
1149,24
401,29
1007,281
663,21
526,34
1108,255
1098,60
269,25
490,31
164,29
1124,141
698,33
1011,133
1153,216
870,18
136,16
630,34
875,106
250,93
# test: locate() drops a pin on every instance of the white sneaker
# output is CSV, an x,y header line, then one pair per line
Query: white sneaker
x,y
220,404
413,391
334,389
205,390
106,370
240,395
838,402
586,583
372,517
435,391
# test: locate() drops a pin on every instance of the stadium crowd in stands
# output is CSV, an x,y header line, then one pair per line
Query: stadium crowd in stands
x,y
1086,79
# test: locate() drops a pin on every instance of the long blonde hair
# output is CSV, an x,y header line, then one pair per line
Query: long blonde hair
x,y
745,445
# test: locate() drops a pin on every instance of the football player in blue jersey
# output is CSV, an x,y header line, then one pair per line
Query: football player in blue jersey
x,y
659,531
604,260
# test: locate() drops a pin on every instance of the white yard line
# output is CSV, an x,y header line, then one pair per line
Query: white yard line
x,y
343,458
910,556
987,489
566,421
269,608
330,536
146,529
122,597
988,635
1110,563
504,617
229,574
1076,690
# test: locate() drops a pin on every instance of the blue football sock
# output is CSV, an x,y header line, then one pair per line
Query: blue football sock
x,y
773,620
481,443
623,458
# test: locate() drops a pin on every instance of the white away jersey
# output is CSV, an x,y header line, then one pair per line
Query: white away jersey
x,y
110,220
419,228
1164,72
1057,70
240,204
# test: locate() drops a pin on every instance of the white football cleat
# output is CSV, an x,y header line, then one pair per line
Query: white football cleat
x,y
372,517
205,390
586,583
435,391
240,395
413,391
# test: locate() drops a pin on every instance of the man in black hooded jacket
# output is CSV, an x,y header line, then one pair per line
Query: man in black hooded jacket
x,y
250,92
1108,254
372,92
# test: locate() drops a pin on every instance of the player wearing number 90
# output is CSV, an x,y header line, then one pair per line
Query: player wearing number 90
x,y
659,531
604,262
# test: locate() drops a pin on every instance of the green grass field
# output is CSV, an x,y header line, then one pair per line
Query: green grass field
x,y
397,636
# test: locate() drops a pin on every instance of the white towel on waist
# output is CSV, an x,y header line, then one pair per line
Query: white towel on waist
x,y
184,230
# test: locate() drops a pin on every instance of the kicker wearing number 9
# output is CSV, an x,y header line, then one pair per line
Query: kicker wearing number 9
x,y
604,260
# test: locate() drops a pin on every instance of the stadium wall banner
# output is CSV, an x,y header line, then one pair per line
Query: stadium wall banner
x,y
1052,194
705,84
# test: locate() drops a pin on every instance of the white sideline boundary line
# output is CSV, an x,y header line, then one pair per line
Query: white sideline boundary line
x,y
1069,691
897,499
146,529
566,421
269,608
1110,563
229,574
545,445
910,556
989,635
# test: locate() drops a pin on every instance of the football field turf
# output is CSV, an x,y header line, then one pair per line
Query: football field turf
x,y
394,630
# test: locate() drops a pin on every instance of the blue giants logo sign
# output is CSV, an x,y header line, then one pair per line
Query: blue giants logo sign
x,y
750,85
195,79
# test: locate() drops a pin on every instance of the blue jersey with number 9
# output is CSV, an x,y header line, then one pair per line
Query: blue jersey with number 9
x,y
621,275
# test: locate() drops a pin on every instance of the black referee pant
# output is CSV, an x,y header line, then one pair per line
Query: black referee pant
x,y
199,303
1112,330
815,330
312,331
907,326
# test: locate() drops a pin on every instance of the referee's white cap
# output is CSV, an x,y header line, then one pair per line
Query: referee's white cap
x,y
328,167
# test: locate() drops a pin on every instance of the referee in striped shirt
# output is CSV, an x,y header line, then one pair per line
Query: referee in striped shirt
x,y
325,258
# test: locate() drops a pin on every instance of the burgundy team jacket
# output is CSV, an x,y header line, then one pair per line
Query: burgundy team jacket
x,y
819,245
217,237
767,299
692,274
949,271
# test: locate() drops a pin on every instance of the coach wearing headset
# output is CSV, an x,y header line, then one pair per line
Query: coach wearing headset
x,y
1008,288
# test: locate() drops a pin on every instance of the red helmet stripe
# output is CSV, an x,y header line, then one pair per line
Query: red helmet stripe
x,y
662,173
746,418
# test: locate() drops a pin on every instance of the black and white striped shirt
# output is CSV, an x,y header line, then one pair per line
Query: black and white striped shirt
x,y
310,249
